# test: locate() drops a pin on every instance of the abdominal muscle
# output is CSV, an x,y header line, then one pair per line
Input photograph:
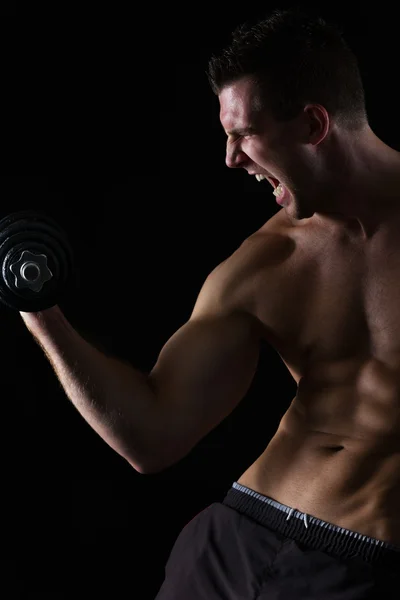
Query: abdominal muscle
x,y
335,457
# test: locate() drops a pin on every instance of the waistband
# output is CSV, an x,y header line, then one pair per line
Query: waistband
x,y
313,532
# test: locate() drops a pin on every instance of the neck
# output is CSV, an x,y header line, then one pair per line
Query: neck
x,y
363,181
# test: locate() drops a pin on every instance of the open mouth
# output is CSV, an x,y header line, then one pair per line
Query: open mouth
x,y
274,182
279,189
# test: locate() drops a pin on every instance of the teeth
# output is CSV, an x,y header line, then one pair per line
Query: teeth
x,y
260,177
278,191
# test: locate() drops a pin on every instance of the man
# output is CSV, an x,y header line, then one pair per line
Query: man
x,y
317,514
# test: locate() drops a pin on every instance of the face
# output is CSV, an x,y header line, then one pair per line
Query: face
x,y
284,152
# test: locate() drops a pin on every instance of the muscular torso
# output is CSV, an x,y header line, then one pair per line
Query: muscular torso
x,y
331,309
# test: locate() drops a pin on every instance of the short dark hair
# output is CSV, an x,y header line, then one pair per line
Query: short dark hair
x,y
296,58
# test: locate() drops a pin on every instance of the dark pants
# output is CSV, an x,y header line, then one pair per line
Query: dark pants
x,y
250,547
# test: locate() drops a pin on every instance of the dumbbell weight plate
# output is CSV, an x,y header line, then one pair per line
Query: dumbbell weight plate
x,y
38,234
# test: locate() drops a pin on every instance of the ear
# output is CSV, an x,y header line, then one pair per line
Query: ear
x,y
318,123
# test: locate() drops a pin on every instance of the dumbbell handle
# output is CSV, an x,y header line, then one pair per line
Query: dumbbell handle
x,y
31,271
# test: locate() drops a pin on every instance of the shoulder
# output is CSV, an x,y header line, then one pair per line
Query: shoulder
x,y
270,245
231,285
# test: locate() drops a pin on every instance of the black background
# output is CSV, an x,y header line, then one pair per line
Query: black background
x,y
111,128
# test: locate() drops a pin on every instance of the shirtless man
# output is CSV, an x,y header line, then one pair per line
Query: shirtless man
x,y
317,514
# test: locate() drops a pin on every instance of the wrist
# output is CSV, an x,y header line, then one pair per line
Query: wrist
x,y
44,320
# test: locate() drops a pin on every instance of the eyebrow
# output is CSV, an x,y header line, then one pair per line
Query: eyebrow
x,y
242,131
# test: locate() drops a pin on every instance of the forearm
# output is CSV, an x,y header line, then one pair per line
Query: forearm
x,y
114,398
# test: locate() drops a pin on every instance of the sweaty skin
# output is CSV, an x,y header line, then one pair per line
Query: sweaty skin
x,y
329,303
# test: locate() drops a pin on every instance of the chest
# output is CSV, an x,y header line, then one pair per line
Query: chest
x,y
336,297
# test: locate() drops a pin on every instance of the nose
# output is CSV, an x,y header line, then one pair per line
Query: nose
x,y
235,158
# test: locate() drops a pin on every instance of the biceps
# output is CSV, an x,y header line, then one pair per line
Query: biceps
x,y
201,375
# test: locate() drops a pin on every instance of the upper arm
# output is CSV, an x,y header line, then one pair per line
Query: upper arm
x,y
204,370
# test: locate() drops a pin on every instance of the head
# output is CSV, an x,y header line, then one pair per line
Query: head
x,y
291,96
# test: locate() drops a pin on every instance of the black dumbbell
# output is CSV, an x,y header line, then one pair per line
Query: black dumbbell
x,y
36,261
